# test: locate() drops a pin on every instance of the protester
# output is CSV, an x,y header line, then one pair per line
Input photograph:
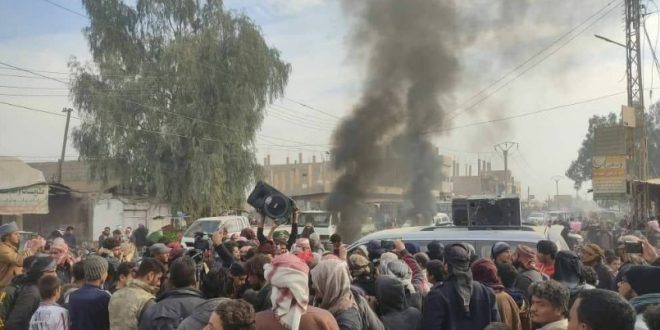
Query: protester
x,y
336,241
524,259
569,272
139,237
232,315
177,303
70,238
641,287
601,310
485,271
501,253
112,253
459,302
288,276
160,252
11,260
652,317
127,304
217,287
393,307
613,262
333,291
435,250
49,315
549,305
361,273
400,271
412,272
59,250
125,273
78,274
239,279
592,255
27,294
88,306
435,272
104,235
546,252
258,284
118,235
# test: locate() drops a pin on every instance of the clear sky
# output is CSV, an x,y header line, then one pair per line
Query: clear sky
x,y
312,34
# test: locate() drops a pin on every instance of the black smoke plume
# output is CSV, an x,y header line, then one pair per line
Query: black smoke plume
x,y
410,49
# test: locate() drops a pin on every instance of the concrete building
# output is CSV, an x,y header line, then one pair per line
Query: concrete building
x,y
310,181
484,181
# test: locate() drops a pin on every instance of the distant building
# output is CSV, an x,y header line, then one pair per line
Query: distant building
x,y
485,180
310,183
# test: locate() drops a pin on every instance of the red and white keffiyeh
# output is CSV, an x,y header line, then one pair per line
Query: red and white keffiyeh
x,y
288,276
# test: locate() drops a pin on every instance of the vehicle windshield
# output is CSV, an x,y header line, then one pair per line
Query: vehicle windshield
x,y
206,227
317,219
536,215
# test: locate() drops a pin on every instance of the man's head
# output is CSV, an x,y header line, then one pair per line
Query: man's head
x,y
255,270
232,315
150,271
233,249
59,250
217,284
125,272
69,229
40,267
96,269
116,234
435,271
161,252
113,245
549,301
591,254
238,274
501,252
507,273
128,231
183,272
524,257
614,262
601,310
9,233
652,317
49,288
106,231
335,239
78,271
546,251
637,280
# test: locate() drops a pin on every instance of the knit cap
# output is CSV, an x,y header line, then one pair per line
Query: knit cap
x,y
95,267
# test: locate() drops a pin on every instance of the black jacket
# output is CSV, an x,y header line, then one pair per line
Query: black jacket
x,y
27,302
605,277
201,316
443,308
171,308
393,308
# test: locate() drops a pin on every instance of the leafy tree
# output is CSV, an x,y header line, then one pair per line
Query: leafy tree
x,y
580,169
173,99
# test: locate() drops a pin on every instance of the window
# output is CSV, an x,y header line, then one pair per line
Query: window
x,y
232,226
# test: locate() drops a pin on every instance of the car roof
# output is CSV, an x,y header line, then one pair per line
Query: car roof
x,y
425,233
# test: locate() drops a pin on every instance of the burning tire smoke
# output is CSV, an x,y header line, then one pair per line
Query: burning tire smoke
x,y
410,50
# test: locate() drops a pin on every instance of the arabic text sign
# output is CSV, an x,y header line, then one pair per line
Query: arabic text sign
x,y
30,200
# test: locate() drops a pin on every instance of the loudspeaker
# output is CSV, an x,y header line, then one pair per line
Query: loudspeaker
x,y
273,203
486,212
459,214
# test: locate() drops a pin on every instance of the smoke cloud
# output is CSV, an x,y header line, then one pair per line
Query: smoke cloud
x,y
410,49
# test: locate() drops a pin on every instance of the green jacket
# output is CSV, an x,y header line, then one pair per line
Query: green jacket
x,y
127,304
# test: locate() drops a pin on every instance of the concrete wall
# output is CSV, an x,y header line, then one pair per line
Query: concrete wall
x,y
115,212
64,210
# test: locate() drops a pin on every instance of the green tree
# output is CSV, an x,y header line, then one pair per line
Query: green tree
x,y
580,169
173,99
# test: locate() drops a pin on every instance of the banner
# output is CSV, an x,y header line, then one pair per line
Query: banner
x,y
608,174
28,200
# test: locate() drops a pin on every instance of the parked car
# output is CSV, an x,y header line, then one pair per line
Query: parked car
x,y
233,224
482,238
535,219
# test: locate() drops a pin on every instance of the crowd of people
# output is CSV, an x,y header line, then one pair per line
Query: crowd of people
x,y
256,281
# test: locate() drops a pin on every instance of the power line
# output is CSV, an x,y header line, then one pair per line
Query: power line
x,y
311,108
526,114
65,8
458,111
34,73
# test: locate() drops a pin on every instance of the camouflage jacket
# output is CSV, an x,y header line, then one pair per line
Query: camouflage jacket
x,y
127,304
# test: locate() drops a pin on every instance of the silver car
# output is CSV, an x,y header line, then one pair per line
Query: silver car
x,y
481,238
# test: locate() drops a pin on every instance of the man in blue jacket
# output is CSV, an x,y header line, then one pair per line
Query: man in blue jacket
x,y
459,302
88,306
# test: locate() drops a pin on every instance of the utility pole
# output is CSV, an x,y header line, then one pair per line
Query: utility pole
x,y
504,147
635,88
66,134
556,179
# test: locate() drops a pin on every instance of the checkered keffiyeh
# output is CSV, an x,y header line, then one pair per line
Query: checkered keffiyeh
x,y
288,276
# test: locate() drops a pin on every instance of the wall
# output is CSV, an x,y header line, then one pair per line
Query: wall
x,y
114,212
64,210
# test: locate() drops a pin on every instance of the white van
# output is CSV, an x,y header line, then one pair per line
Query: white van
x,y
323,221
233,224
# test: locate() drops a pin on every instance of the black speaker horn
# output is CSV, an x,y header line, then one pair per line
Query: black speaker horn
x,y
271,202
